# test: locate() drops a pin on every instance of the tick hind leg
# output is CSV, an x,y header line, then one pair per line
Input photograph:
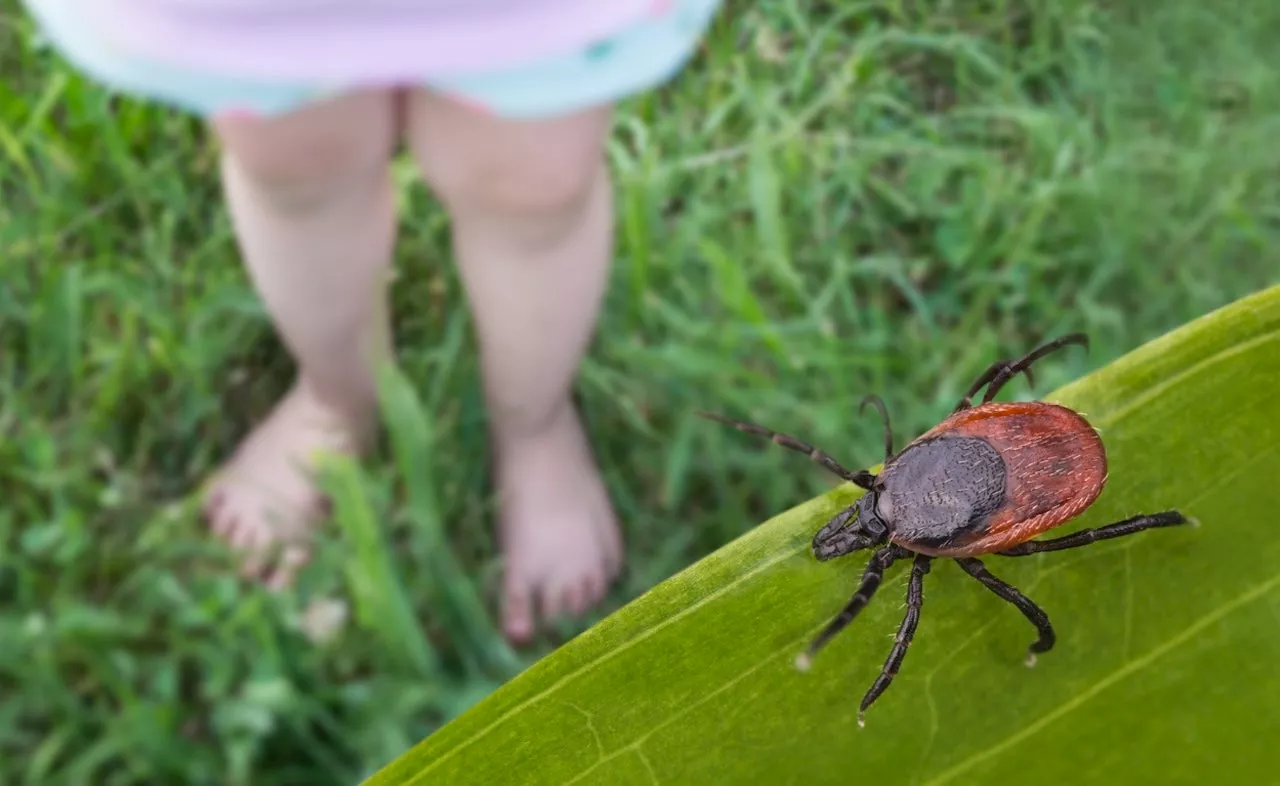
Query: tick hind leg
x,y
1084,537
1029,609
906,632
993,371
860,478
1000,372
1024,364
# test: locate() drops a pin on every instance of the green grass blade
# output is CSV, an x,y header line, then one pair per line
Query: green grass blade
x,y
413,444
381,600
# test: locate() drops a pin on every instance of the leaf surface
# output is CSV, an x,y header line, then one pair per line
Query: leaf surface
x,y
1165,670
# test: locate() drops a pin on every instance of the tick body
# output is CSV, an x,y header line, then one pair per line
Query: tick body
x,y
987,480
989,477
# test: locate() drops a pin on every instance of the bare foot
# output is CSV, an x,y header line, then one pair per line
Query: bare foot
x,y
559,535
263,502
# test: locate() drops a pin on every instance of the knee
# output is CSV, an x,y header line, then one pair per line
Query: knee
x,y
524,176
539,191
306,157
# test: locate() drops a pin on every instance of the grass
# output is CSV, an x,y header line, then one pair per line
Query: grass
x,y
834,199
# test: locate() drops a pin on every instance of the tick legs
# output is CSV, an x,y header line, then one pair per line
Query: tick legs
x,y
1002,371
884,415
1084,537
993,371
1029,609
860,478
871,577
906,632
1009,372
836,538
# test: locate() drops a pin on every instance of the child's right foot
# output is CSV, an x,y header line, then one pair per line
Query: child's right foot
x,y
263,501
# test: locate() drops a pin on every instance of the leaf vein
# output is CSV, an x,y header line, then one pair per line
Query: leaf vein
x,y
591,727
621,648
636,743
648,765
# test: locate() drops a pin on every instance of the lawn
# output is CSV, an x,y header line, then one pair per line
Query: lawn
x,y
834,199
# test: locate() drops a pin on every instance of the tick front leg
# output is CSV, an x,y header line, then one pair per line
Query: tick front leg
x,y
906,632
835,539
1029,609
871,577
884,417
860,478
1084,537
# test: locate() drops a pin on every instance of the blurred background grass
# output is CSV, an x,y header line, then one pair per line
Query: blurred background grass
x,y
834,199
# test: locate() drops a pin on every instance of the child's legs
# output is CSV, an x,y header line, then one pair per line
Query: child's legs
x,y
531,216
531,221
519,162
311,199
312,204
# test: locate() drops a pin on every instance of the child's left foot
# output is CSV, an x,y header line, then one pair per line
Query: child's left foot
x,y
559,535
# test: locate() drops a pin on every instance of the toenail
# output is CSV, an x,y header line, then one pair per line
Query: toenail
x,y
224,525
212,506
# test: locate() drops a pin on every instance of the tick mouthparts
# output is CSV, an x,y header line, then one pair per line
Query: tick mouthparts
x,y
804,662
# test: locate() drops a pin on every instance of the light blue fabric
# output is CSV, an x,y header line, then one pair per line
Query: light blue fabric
x,y
638,58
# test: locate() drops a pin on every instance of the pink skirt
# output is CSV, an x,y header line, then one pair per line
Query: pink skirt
x,y
518,58
358,40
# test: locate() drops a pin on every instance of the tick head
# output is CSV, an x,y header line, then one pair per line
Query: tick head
x,y
858,526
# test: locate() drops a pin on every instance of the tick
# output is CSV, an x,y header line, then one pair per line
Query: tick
x,y
987,480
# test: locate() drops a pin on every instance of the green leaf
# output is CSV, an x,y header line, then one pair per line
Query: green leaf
x,y
1165,670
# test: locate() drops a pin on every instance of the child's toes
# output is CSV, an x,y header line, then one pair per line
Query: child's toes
x,y
592,590
552,600
586,590
233,529
291,560
573,599
609,538
211,510
220,518
612,553
517,610
253,544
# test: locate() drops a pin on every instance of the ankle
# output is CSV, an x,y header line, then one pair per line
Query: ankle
x,y
352,409
516,429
